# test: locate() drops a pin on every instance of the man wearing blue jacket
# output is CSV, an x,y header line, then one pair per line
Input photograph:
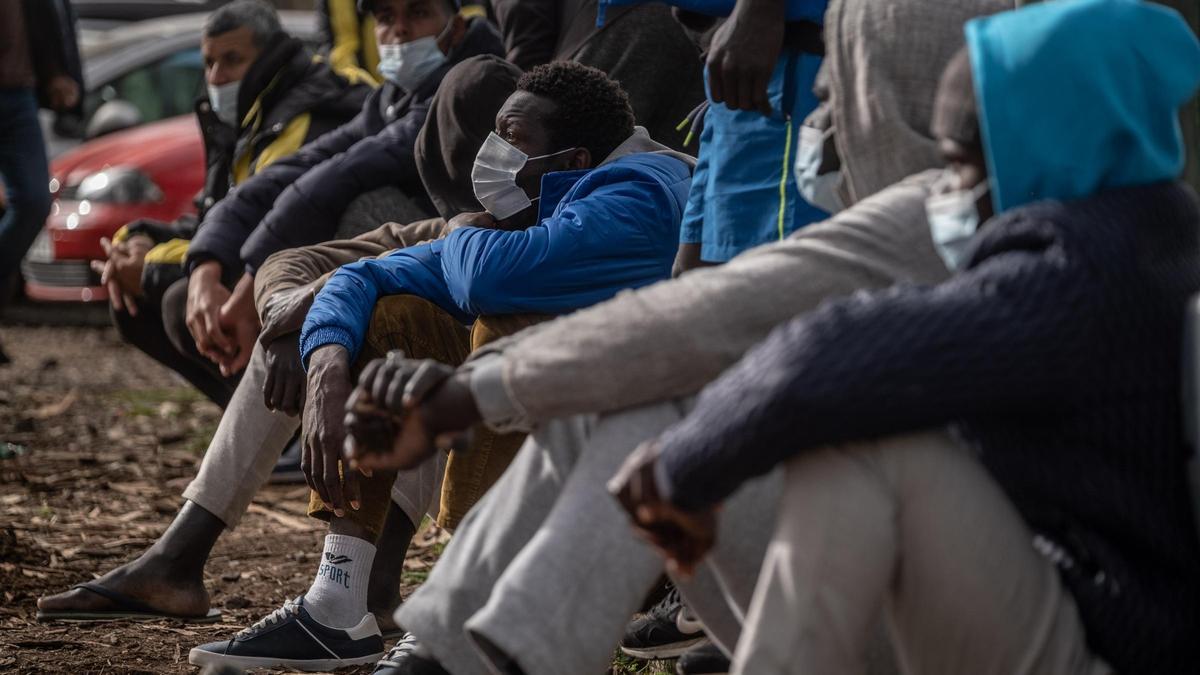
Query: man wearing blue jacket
x,y
1052,530
581,205
300,199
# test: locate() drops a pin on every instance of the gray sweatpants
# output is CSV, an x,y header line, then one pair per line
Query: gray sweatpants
x,y
250,439
546,567
912,527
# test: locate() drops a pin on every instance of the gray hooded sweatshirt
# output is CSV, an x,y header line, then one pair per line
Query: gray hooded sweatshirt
x,y
883,62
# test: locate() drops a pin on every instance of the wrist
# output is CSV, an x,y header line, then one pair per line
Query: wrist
x,y
330,357
452,406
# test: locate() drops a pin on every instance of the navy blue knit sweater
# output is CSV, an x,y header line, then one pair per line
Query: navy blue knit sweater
x,y
1057,351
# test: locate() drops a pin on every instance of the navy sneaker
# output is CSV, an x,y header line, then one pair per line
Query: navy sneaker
x,y
664,632
290,638
703,659
407,658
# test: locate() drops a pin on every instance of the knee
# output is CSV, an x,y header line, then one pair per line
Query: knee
x,y
399,315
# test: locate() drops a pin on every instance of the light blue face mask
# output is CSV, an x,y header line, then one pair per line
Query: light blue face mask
x,y
954,219
409,63
224,99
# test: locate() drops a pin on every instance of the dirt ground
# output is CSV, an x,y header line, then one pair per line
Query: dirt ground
x,y
96,444
100,443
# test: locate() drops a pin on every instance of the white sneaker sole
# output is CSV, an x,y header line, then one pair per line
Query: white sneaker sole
x,y
671,651
199,657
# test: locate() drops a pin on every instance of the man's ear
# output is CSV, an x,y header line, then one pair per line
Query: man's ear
x,y
580,159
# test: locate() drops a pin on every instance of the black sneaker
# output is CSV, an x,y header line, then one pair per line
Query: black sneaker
x,y
406,658
664,632
287,469
703,659
290,638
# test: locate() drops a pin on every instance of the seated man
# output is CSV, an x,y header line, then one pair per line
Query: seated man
x,y
1052,531
532,546
609,202
267,96
300,200
167,579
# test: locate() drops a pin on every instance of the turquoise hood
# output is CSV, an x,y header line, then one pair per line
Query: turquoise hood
x,y
1078,96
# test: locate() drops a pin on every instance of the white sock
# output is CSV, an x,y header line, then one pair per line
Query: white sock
x,y
338,596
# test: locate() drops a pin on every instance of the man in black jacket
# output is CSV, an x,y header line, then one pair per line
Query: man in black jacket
x,y
299,200
267,97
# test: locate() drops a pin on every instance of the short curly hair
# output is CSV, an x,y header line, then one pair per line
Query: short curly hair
x,y
592,110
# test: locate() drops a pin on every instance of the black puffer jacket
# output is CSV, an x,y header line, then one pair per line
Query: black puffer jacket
x,y
286,100
299,200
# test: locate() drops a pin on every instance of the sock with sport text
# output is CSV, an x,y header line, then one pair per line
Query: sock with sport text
x,y
338,596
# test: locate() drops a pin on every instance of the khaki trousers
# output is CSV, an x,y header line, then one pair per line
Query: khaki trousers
x,y
915,528
423,331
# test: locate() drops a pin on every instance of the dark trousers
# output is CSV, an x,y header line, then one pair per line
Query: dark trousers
x,y
162,333
23,168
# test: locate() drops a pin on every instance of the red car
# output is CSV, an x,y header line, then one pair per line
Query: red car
x,y
151,171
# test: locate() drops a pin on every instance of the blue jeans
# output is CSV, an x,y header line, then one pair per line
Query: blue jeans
x,y
25,172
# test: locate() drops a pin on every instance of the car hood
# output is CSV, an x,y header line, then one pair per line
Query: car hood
x,y
145,147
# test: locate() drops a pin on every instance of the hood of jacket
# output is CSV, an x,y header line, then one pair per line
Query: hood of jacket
x,y
1078,96
882,65
640,141
460,117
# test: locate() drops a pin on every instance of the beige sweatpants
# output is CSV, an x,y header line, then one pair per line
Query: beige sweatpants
x,y
913,527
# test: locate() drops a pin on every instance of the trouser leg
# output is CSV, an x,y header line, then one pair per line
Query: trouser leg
x,y
148,332
470,474
423,331
244,449
489,537
23,169
584,573
915,526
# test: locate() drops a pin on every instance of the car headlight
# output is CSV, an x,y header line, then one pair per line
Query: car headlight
x,y
119,185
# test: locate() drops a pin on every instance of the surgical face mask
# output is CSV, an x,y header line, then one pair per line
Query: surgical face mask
x,y
409,63
224,100
494,177
953,219
818,189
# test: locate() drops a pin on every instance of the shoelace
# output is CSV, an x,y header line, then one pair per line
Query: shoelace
x,y
277,616
406,645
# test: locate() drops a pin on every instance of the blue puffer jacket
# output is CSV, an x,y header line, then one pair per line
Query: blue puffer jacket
x,y
600,231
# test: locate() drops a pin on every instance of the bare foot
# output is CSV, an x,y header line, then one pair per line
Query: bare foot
x,y
145,580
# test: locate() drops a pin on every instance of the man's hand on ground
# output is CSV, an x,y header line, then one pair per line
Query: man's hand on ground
x,y
239,320
206,296
121,274
324,432
743,55
283,390
683,537
404,410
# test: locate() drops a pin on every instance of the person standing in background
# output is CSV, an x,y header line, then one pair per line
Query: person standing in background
x,y
349,35
42,72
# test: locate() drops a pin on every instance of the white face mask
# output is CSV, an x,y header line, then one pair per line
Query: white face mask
x,y
409,63
224,100
494,177
818,189
953,220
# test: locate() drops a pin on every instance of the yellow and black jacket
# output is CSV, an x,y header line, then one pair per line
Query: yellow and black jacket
x,y
287,98
348,35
